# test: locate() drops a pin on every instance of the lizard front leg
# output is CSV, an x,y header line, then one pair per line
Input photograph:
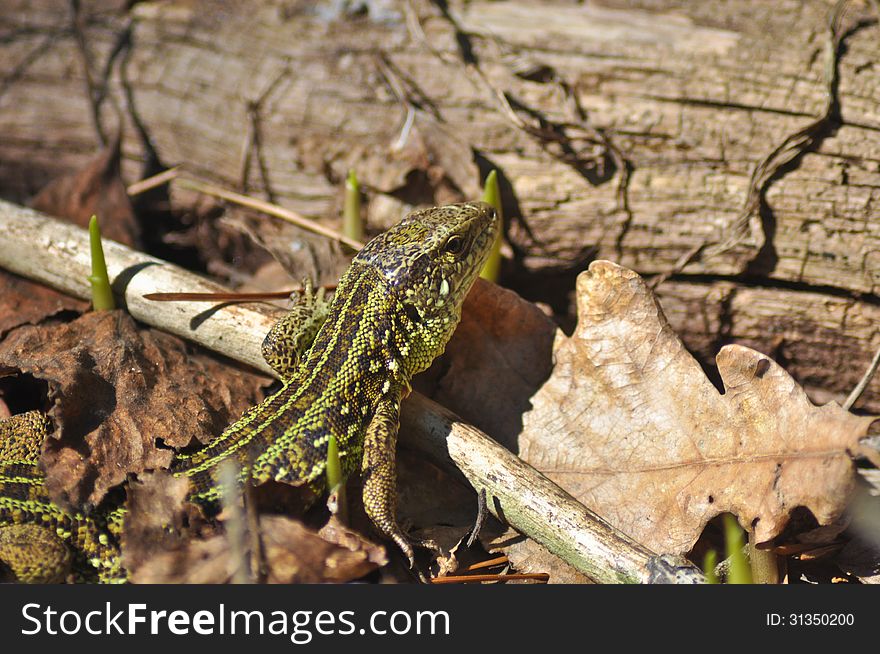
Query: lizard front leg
x,y
291,336
378,469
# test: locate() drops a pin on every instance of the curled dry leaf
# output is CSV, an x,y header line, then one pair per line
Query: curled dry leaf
x,y
296,554
154,520
192,562
23,302
292,553
96,189
300,253
499,356
118,390
166,540
631,426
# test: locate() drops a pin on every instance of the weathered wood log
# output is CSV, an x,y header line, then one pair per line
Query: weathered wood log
x,y
57,253
626,128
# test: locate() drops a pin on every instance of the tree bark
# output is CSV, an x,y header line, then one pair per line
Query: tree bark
x,y
622,130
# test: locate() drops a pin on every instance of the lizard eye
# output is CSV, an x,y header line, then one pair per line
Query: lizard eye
x,y
412,313
454,245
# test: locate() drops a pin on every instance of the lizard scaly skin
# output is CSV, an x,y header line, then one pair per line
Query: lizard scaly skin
x,y
393,312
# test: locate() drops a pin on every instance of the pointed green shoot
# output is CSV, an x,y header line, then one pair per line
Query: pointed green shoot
x,y
352,225
102,294
334,467
335,480
740,572
492,195
709,563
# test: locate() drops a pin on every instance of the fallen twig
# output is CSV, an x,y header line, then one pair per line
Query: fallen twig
x,y
863,382
152,182
268,208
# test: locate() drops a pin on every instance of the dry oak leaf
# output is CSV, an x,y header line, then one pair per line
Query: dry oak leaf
x,y
96,189
155,520
118,389
23,302
631,426
498,358
292,553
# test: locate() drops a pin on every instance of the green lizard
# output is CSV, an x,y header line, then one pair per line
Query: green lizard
x,y
344,372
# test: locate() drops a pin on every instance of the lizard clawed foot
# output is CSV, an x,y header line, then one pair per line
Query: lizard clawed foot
x,y
406,546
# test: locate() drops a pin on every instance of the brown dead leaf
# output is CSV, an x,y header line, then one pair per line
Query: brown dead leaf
x,y
498,358
97,189
630,425
167,540
339,534
118,389
528,556
295,554
292,553
192,562
154,521
300,253
23,302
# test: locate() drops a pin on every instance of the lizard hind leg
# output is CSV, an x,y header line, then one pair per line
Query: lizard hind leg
x,y
291,336
21,436
33,554
29,553
378,469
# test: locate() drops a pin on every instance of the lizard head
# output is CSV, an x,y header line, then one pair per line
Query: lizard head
x,y
430,260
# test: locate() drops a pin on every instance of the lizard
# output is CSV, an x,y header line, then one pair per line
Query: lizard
x,y
344,369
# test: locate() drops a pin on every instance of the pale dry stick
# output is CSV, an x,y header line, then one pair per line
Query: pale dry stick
x,y
257,557
149,183
268,208
397,89
522,497
863,382
236,529
55,253
39,247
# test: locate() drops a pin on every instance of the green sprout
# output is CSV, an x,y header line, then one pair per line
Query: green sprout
x,y
740,572
492,195
334,467
709,563
352,225
335,480
102,294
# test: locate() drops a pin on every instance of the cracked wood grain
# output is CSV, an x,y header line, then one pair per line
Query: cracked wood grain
x,y
692,93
